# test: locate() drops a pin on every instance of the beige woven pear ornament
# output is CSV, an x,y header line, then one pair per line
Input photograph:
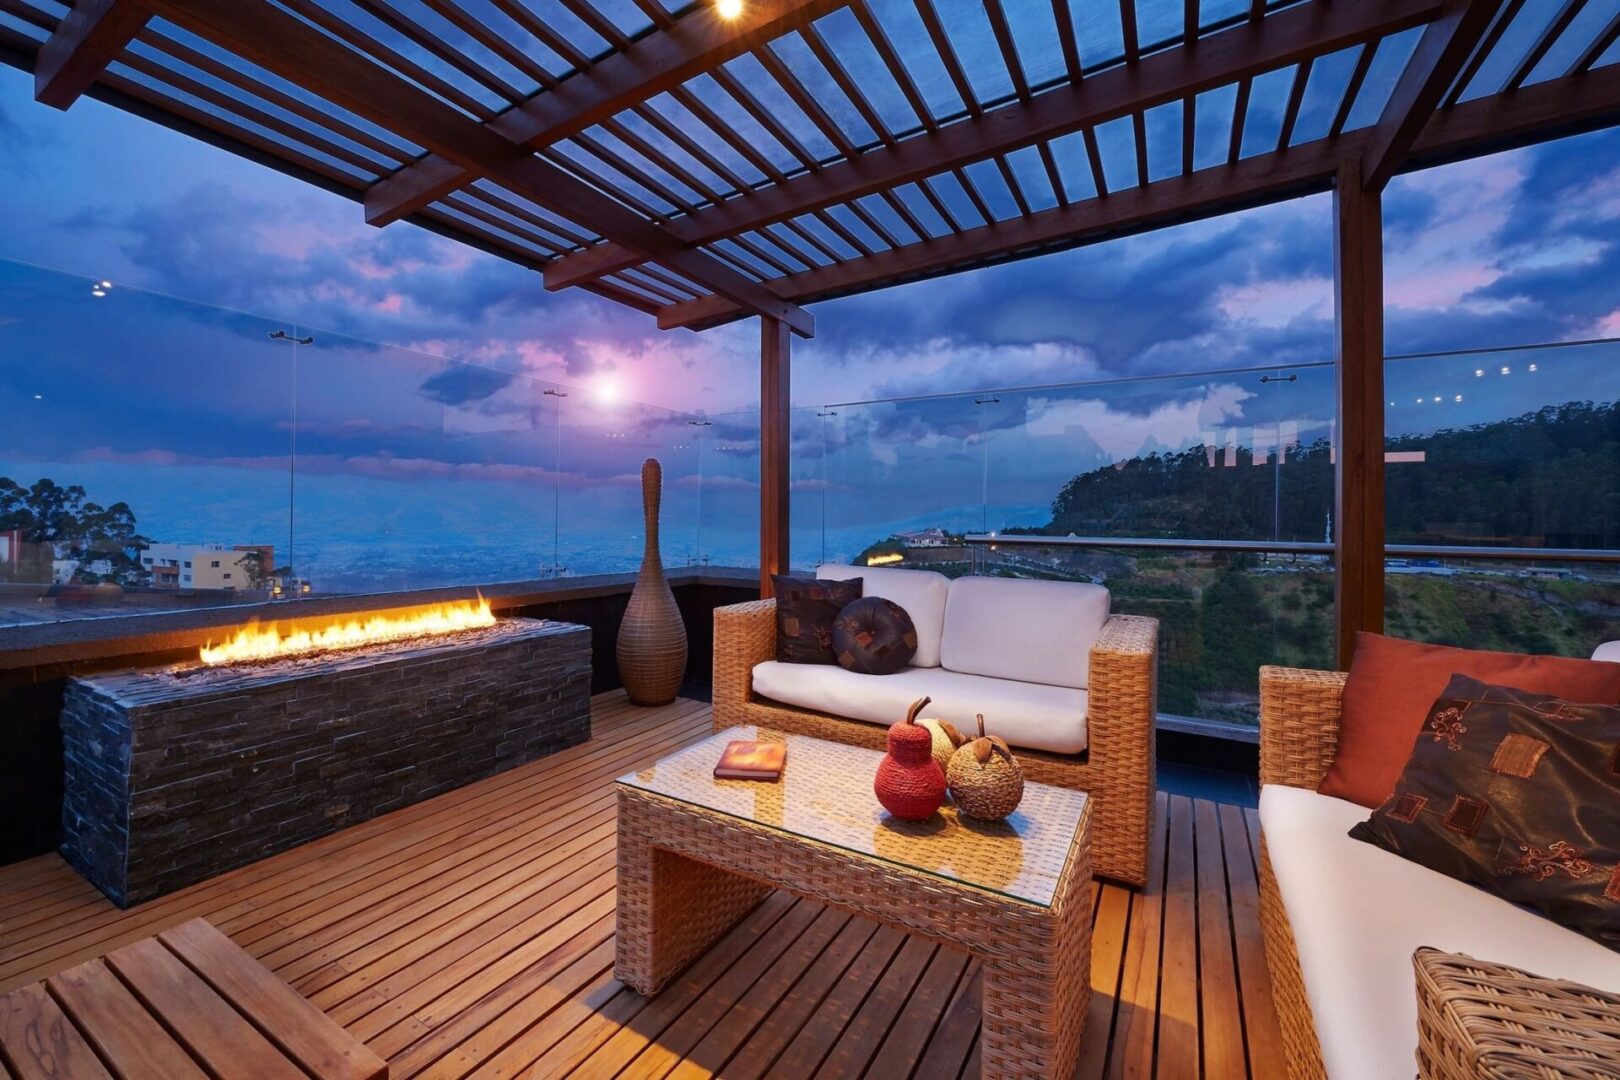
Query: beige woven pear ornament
x,y
946,740
985,779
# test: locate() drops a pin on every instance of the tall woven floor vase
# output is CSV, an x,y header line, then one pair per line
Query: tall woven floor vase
x,y
652,638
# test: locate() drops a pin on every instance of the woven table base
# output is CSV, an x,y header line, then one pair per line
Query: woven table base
x,y
688,875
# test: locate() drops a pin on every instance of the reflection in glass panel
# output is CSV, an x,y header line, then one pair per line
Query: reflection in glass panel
x,y
1212,135
1324,91
1268,98
1163,125
123,480
1386,67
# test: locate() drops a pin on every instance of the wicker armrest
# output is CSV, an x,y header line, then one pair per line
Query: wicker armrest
x,y
1122,705
1483,1021
1299,724
744,635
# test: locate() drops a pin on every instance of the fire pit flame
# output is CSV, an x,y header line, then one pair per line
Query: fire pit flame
x,y
272,641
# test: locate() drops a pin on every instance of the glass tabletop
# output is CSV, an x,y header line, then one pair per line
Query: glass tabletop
x,y
825,794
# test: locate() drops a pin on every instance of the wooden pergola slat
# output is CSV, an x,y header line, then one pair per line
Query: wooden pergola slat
x,y
1441,52
1574,103
87,40
1250,49
642,70
281,44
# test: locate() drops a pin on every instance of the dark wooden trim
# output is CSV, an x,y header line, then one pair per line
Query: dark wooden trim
x,y
775,449
698,42
88,38
1282,38
1358,525
1445,47
74,641
292,49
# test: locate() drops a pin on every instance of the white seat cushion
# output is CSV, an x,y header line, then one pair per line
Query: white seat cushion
x,y
921,592
1359,912
1025,714
1031,631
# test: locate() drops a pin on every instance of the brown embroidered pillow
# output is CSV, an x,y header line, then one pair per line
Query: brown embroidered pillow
x,y
1517,793
874,636
805,610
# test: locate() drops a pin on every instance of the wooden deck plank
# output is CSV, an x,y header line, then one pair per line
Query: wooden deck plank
x,y
1221,1027
119,1027
206,1024
471,936
41,1043
297,1028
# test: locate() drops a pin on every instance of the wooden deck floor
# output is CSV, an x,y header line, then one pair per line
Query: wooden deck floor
x,y
472,936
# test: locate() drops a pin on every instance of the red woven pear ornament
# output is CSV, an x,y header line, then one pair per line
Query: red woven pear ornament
x,y
910,783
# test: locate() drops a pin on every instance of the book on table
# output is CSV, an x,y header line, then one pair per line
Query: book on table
x,y
748,760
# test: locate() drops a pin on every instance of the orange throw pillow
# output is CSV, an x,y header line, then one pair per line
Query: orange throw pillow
x,y
1393,683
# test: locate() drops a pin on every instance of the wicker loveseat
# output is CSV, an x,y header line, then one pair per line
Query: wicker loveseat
x,y
1345,922
1116,766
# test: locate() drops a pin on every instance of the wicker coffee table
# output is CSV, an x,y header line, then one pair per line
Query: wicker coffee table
x,y
696,854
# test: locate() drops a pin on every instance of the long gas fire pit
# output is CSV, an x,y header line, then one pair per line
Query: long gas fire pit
x,y
176,774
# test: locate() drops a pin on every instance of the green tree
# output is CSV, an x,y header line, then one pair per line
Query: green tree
x,y
59,522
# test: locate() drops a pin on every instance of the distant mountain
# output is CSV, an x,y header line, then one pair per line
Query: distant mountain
x,y
1548,477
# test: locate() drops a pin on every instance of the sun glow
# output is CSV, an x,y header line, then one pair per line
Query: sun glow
x,y
271,641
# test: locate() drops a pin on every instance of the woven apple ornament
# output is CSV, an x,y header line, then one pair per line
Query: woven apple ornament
x,y
946,740
909,782
986,780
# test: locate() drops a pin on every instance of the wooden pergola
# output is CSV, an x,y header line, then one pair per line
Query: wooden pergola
x,y
720,160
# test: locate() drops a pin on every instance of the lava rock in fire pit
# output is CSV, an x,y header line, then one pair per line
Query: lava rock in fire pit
x,y
175,775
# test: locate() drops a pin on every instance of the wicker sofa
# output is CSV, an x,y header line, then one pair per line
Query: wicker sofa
x,y
1348,1001
1115,766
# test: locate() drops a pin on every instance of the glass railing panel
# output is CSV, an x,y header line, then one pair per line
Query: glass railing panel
x,y
730,510
1517,448
1507,449
899,472
1222,614
144,439
414,471
604,442
1241,455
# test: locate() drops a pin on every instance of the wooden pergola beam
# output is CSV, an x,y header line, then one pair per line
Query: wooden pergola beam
x,y
88,38
641,70
1358,436
1279,39
775,450
1439,57
297,52
1533,113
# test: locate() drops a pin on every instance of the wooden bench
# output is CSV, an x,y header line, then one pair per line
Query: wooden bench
x,y
188,1004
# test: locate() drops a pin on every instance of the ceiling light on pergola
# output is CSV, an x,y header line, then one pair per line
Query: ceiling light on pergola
x,y
729,9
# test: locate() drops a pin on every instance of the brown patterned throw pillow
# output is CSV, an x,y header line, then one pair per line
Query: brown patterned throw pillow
x,y
1518,793
874,636
805,610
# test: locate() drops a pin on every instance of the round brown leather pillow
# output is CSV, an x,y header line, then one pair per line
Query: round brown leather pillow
x,y
874,636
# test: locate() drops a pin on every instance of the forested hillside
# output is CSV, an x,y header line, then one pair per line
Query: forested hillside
x,y
1549,477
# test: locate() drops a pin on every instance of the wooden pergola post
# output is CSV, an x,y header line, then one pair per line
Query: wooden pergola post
x,y
1358,516
775,368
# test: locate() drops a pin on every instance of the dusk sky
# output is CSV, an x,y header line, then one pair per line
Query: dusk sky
x,y
1519,248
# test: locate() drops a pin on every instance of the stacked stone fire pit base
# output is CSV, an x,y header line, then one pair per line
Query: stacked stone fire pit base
x,y
175,775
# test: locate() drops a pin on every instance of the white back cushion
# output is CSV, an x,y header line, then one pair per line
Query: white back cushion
x,y
1609,650
1031,631
921,592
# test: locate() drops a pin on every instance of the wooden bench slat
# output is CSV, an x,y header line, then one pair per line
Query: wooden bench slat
x,y
303,1032
41,1042
205,1023
119,1027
